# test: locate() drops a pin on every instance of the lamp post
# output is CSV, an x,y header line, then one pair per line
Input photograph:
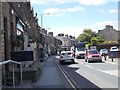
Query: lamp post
x,y
42,18
41,21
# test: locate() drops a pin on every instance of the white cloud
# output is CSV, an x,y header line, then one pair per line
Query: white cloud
x,y
51,10
113,11
95,2
101,25
57,11
37,2
83,2
74,31
92,2
51,1
64,1
101,11
75,9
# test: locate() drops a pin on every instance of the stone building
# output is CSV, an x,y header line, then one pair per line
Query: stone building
x,y
18,29
109,33
119,37
67,41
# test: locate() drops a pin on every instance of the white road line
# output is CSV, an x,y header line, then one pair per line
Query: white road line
x,y
112,63
104,71
109,72
89,66
80,62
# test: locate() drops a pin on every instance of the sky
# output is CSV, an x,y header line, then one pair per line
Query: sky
x,y
73,16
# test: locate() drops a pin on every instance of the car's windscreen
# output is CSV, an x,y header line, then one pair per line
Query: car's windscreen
x,y
93,52
80,49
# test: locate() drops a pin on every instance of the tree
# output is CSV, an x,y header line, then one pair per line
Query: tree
x,y
85,36
109,42
94,41
100,39
90,36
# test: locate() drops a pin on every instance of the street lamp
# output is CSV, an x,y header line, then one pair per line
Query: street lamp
x,y
42,18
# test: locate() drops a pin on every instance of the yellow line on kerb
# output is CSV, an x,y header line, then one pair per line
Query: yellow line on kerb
x,y
63,71
71,79
66,77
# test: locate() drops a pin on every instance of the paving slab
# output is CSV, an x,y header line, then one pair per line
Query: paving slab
x,y
50,76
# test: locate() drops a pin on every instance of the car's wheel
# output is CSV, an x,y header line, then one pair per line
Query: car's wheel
x,y
76,57
85,60
61,62
73,61
88,61
100,60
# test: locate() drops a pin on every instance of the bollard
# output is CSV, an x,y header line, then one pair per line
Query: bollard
x,y
112,57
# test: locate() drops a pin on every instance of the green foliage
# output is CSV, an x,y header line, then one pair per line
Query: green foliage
x,y
20,37
90,36
85,36
94,41
109,42
88,46
18,41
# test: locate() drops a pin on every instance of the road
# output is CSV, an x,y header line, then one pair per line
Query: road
x,y
92,75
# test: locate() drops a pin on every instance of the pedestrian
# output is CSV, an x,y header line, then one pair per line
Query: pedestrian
x,y
86,54
104,56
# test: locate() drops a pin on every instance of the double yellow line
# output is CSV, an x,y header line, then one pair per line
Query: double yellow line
x,y
70,80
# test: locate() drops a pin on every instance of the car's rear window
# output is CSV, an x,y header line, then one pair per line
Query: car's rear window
x,y
104,50
63,53
93,52
69,53
114,48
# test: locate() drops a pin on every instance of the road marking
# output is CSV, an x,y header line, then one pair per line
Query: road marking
x,y
64,73
74,66
81,63
112,63
89,66
110,72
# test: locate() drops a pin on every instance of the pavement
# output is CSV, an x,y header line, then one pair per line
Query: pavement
x,y
114,61
50,77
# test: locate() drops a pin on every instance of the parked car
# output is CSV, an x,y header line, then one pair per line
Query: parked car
x,y
104,52
57,56
92,55
114,48
66,57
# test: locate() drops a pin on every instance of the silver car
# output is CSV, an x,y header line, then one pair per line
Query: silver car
x,y
66,56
